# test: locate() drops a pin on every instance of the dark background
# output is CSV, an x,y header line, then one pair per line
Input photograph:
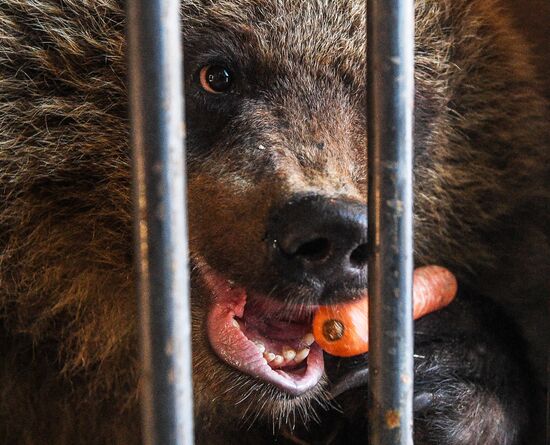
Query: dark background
x,y
533,19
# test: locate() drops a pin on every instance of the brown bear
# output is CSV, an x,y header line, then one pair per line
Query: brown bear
x,y
277,161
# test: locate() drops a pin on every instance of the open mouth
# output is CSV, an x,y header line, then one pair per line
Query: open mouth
x,y
261,338
272,342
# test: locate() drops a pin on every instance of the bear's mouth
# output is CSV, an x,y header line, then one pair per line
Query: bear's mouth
x,y
262,338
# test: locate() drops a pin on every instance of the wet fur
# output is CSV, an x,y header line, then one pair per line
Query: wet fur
x,y
67,309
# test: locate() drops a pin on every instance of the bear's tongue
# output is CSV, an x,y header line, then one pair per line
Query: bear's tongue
x,y
260,340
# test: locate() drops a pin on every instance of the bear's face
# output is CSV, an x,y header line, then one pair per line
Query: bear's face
x,y
283,116
276,109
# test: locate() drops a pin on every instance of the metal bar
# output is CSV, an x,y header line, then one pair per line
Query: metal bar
x,y
156,111
390,72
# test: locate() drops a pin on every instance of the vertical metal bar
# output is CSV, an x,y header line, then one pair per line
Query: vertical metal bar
x,y
390,56
156,111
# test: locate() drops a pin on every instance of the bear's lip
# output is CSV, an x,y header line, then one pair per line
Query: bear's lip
x,y
243,330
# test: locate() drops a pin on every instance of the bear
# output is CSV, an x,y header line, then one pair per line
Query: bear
x,y
276,150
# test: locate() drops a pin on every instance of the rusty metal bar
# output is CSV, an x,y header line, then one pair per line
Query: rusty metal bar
x,y
157,133
390,78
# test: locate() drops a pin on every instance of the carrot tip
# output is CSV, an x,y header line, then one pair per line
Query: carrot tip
x,y
333,330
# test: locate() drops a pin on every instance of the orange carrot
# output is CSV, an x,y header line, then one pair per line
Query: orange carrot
x,y
343,329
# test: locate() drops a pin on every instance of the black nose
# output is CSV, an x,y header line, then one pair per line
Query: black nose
x,y
321,242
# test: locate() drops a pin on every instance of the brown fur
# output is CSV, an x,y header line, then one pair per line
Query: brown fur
x,y
67,308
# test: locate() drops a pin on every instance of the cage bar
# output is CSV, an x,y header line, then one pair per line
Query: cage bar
x,y
390,80
157,134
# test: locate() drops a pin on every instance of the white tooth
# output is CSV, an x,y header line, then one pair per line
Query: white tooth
x,y
235,323
288,353
269,356
278,360
308,339
301,355
260,346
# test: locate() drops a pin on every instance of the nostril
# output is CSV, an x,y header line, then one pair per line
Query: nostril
x,y
359,256
319,242
314,250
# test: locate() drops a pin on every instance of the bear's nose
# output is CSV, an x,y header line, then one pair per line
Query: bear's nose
x,y
321,241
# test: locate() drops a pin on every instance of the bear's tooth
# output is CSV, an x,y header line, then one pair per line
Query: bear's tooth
x,y
260,346
301,355
308,339
269,356
235,323
288,353
278,360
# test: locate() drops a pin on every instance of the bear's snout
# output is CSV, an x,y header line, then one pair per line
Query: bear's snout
x,y
320,241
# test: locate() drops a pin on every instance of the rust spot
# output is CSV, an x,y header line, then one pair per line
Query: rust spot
x,y
169,348
333,330
393,419
171,376
406,379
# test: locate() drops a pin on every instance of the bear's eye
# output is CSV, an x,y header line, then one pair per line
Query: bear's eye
x,y
215,79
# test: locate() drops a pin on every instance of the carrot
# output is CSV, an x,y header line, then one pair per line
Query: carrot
x,y
343,329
